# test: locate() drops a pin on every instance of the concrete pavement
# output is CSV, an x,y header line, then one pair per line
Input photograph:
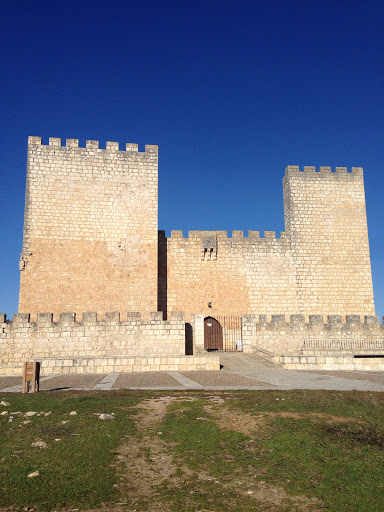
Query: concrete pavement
x,y
240,371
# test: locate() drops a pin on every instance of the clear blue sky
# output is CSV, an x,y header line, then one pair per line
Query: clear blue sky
x,y
231,91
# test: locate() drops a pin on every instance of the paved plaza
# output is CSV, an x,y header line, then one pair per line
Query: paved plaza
x,y
239,371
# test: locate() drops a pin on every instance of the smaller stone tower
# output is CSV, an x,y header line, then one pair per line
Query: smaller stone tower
x,y
325,218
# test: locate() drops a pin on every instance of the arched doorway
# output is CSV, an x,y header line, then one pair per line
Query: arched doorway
x,y
213,334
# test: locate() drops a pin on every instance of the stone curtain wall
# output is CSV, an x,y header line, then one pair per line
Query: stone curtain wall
x,y
110,337
236,275
325,218
90,230
281,337
22,340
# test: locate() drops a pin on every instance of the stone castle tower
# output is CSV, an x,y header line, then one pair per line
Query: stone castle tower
x,y
90,228
91,243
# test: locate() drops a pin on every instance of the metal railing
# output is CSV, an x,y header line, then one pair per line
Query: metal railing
x,y
343,344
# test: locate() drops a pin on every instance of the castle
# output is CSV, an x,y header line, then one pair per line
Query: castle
x,y
91,245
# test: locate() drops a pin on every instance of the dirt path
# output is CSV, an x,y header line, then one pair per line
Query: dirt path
x,y
145,461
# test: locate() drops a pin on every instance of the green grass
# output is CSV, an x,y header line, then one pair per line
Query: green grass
x,y
202,440
314,444
204,447
344,471
341,464
73,471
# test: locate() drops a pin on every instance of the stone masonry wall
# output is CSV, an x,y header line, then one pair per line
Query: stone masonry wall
x,y
281,337
325,219
236,275
22,340
320,265
90,229
91,242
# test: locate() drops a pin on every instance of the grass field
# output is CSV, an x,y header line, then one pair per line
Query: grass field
x,y
193,451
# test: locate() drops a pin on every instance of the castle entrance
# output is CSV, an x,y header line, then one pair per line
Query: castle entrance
x,y
223,333
213,334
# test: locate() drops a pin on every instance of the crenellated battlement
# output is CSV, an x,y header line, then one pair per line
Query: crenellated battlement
x,y
132,336
222,236
282,334
331,322
91,145
155,317
323,171
294,321
87,345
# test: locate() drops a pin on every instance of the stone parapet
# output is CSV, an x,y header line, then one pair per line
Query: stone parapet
x,y
220,240
56,142
69,339
310,171
281,336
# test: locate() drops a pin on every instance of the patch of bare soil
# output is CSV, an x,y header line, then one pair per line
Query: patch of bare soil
x,y
274,499
247,424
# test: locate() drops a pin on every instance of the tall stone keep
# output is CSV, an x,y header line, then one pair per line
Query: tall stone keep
x,y
325,220
90,228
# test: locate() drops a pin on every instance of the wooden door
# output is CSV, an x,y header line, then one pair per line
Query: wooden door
x,y
213,334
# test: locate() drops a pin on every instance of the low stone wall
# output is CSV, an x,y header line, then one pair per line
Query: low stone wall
x,y
121,364
92,346
281,337
333,362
